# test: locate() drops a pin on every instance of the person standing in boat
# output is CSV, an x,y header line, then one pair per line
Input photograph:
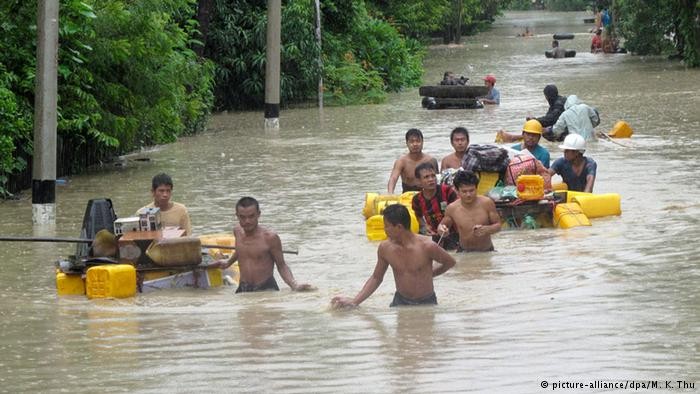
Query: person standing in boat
x,y
258,251
493,96
411,258
474,216
575,169
459,139
405,166
430,204
172,214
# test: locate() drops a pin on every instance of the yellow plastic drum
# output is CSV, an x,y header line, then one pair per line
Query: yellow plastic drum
x,y
530,187
406,198
368,209
621,129
599,205
111,281
570,215
487,180
570,194
374,226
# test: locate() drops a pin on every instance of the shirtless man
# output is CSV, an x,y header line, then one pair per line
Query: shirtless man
x,y
172,214
459,138
258,250
474,216
405,166
411,259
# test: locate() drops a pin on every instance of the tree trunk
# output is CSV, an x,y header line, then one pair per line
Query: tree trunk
x,y
203,17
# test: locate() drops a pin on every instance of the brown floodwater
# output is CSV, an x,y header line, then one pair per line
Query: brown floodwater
x,y
614,301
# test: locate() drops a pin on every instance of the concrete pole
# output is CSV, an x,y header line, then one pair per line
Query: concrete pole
x,y
45,96
272,65
320,54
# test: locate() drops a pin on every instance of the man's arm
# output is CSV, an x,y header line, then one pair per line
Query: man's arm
x,y
590,180
369,287
443,259
282,267
185,223
394,177
447,222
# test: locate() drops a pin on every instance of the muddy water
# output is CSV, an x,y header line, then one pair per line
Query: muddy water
x,y
614,301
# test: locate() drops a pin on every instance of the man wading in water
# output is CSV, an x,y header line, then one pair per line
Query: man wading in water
x,y
474,216
258,250
411,259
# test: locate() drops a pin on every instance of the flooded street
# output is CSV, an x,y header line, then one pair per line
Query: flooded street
x,y
616,301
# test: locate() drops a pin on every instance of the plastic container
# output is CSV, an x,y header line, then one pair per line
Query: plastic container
x,y
69,284
368,209
570,215
111,281
487,180
570,195
176,252
374,226
406,198
599,205
621,129
221,239
530,187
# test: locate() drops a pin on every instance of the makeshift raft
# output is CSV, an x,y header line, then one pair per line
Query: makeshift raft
x,y
124,278
562,209
451,96
569,53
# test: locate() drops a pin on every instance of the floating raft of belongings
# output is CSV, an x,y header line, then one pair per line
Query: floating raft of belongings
x,y
121,278
138,261
569,53
451,96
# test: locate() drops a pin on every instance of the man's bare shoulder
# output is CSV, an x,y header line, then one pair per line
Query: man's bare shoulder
x,y
486,202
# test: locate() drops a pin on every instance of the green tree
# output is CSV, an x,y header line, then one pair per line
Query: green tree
x,y
652,27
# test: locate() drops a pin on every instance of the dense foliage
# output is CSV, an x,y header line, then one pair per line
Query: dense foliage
x,y
141,72
660,27
126,75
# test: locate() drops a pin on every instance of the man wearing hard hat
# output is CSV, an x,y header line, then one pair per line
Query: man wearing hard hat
x,y
532,132
575,169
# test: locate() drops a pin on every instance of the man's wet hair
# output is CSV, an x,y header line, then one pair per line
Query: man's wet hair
x,y
459,130
398,214
465,178
555,43
245,202
161,179
414,133
426,165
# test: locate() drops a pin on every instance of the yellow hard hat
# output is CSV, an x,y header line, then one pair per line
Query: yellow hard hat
x,y
533,126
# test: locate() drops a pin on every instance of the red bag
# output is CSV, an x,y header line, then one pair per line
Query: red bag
x,y
520,165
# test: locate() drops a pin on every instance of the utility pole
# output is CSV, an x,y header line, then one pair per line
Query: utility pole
x,y
272,65
45,118
320,54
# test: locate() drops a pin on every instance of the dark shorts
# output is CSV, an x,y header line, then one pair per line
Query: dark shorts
x,y
409,188
399,300
460,249
269,284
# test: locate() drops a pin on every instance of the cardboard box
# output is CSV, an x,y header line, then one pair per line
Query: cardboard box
x,y
124,225
149,219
